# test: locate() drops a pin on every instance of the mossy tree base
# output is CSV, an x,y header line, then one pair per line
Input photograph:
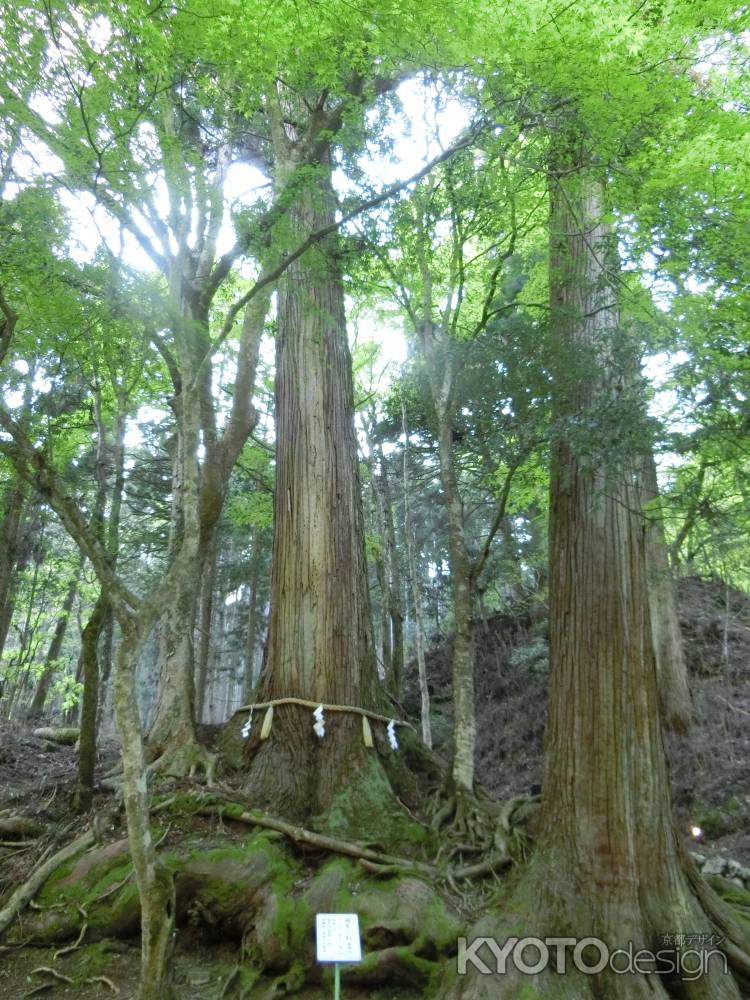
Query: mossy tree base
x,y
546,903
259,894
186,759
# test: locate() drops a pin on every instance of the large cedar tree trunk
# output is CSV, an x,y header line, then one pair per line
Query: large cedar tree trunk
x,y
609,861
607,815
320,642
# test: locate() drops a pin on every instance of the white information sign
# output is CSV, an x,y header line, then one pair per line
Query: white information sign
x,y
337,937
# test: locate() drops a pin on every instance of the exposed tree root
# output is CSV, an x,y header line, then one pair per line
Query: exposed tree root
x,y
300,835
546,905
21,826
472,823
722,916
45,970
107,982
78,940
186,760
26,892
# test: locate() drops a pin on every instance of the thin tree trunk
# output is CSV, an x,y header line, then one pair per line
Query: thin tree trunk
x,y
90,635
384,588
155,884
15,536
90,672
424,691
464,718
439,362
53,652
251,638
674,689
396,586
198,499
113,543
24,657
206,619
692,513
11,532
389,577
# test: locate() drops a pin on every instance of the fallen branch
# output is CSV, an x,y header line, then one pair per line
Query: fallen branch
x,y
64,735
302,836
735,708
20,826
26,892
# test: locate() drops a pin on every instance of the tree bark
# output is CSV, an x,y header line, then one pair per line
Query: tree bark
x,y
389,577
88,666
396,586
251,639
155,885
606,798
11,533
90,672
463,590
438,358
674,689
53,652
609,862
113,544
320,643
424,690
204,628
198,498
172,738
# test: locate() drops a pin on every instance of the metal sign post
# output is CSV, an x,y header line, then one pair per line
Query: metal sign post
x,y
337,940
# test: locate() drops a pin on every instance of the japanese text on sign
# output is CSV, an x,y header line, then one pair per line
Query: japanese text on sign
x,y
337,937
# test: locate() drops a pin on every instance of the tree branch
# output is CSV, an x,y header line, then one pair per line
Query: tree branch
x,y
273,274
478,564
35,469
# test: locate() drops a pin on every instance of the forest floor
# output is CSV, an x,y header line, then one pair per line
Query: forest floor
x,y
710,769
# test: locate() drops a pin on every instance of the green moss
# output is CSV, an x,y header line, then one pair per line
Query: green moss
x,y
233,810
367,810
242,978
88,888
95,958
527,992
734,895
441,930
412,970
717,820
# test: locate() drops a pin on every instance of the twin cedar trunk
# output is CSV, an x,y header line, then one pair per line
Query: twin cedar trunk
x,y
320,643
606,812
